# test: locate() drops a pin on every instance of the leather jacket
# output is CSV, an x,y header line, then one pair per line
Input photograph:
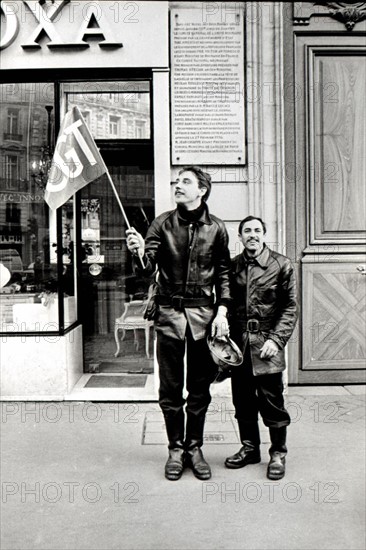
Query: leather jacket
x,y
264,293
193,260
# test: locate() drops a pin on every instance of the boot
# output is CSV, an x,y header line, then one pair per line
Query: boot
x,y
175,464
249,453
196,461
193,443
278,450
174,425
194,430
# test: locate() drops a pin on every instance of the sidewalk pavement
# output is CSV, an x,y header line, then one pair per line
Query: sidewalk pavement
x,y
82,475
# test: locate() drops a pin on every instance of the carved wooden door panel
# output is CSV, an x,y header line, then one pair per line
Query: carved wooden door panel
x,y
330,207
334,302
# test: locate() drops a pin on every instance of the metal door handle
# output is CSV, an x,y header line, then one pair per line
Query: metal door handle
x,y
361,269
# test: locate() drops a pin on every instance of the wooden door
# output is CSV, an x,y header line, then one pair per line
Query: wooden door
x,y
329,207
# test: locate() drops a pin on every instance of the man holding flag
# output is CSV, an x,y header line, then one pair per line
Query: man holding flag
x,y
189,246
76,162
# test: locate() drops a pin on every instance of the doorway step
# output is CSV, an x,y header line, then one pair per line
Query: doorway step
x,y
129,365
115,387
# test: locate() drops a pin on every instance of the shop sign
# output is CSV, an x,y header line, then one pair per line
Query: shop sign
x,y
37,30
21,197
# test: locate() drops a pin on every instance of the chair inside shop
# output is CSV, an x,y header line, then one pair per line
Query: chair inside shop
x,y
132,318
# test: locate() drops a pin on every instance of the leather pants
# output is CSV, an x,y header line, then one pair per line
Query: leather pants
x,y
200,373
263,394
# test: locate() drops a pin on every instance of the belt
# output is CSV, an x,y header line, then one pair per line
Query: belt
x,y
253,325
180,302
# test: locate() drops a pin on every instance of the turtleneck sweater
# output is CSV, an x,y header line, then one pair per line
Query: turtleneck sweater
x,y
191,216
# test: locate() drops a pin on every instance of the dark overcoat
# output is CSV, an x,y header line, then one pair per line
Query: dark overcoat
x,y
264,306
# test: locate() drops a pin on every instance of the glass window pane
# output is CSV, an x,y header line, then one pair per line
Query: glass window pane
x,y
118,110
112,296
28,261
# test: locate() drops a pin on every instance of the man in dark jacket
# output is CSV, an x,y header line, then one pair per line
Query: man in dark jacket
x,y
264,317
189,246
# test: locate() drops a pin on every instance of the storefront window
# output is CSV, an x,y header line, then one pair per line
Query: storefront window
x,y
110,292
31,282
110,288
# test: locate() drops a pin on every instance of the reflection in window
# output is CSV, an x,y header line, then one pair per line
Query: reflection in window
x,y
117,115
13,121
90,231
11,171
28,238
114,126
140,129
130,132
86,115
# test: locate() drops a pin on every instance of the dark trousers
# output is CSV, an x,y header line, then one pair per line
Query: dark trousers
x,y
253,394
200,373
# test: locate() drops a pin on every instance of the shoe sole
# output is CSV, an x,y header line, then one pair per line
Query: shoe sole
x,y
173,477
237,466
275,478
202,478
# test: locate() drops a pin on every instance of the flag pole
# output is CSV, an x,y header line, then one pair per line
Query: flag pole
x,y
70,138
122,209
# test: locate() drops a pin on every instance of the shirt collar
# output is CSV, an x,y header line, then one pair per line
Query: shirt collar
x,y
262,260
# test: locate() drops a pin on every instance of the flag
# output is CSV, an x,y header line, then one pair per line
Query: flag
x,y
76,160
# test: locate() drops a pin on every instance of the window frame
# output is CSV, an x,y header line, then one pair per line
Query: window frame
x,y
58,78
